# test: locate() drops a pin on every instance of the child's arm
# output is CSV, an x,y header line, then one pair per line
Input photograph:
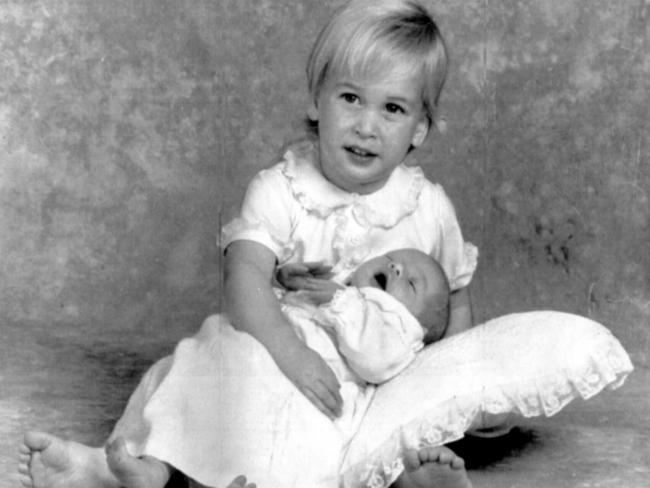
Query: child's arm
x,y
253,308
460,317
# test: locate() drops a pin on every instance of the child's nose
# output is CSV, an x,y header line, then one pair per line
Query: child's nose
x,y
366,123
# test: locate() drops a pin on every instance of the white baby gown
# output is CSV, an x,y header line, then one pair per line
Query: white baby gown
x,y
220,407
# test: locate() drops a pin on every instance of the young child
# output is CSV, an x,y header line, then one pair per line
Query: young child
x,y
343,197
367,332
375,76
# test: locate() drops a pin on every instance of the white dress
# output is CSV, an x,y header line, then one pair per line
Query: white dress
x,y
211,388
219,407
300,216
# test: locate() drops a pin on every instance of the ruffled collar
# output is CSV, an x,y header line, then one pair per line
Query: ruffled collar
x,y
397,199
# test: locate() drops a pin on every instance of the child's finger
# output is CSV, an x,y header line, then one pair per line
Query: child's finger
x,y
298,269
330,396
306,283
314,283
312,397
322,271
317,268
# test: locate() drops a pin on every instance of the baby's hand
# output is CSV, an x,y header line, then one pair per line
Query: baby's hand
x,y
295,276
314,378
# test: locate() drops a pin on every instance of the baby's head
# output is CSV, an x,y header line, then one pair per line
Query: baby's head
x,y
365,38
416,280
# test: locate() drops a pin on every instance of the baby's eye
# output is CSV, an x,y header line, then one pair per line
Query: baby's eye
x,y
393,108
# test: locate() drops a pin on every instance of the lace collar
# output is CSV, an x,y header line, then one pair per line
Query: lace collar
x,y
397,199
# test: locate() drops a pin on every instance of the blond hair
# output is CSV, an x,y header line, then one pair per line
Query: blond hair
x,y
365,37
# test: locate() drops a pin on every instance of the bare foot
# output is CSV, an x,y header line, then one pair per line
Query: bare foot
x,y
433,467
47,461
136,472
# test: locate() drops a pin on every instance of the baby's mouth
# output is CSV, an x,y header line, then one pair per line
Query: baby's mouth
x,y
381,279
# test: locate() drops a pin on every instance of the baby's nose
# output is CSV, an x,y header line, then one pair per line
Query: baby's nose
x,y
396,267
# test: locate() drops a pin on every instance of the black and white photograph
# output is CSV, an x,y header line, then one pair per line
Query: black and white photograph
x,y
324,243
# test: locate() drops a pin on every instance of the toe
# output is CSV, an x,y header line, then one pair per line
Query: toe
x,y
411,459
37,441
26,481
429,454
458,463
445,456
116,449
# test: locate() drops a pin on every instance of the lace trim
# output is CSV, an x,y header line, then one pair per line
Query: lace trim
x,y
608,367
305,152
375,209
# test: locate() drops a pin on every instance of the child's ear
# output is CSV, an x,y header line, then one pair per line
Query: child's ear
x,y
312,111
421,131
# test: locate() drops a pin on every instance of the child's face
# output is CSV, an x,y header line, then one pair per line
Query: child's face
x,y
408,275
366,126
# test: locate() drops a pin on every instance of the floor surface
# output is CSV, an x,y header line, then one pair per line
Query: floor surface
x,y
76,387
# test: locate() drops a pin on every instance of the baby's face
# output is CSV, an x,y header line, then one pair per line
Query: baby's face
x,y
408,275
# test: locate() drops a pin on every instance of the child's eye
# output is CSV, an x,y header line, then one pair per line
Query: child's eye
x,y
393,108
349,97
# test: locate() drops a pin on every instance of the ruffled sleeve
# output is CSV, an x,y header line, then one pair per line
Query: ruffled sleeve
x,y
375,333
265,214
456,256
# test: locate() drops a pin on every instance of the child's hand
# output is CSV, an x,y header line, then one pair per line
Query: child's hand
x,y
318,291
294,276
314,378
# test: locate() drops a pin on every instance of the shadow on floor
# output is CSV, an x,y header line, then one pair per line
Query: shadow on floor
x,y
481,453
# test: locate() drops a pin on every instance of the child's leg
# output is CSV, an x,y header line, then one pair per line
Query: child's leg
x,y
433,467
47,461
136,472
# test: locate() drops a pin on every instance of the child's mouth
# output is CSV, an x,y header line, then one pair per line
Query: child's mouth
x,y
360,153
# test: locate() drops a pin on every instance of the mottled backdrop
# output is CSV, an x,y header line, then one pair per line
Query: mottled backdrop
x,y
129,128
